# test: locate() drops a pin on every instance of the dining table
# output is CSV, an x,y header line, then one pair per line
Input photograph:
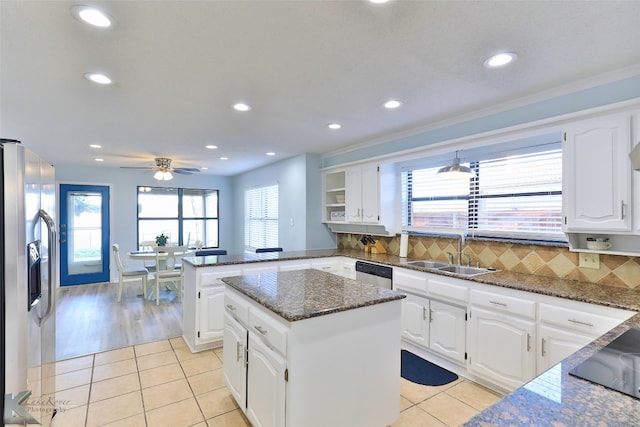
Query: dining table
x,y
151,256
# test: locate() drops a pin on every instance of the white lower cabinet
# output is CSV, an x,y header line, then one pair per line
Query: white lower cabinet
x,y
415,320
448,330
556,344
203,306
234,359
501,348
266,385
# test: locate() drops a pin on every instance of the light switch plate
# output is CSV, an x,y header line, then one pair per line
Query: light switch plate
x,y
589,260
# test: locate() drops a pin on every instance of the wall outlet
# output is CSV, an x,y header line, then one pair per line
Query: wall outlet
x,y
589,260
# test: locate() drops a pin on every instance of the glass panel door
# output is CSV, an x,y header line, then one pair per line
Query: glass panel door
x,y
84,234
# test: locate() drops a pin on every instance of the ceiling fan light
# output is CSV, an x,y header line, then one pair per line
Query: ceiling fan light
x,y
159,175
166,176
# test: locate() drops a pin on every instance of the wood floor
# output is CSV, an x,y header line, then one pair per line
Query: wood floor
x,y
90,320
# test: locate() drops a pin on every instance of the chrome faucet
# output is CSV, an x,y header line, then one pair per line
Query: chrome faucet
x,y
450,255
468,258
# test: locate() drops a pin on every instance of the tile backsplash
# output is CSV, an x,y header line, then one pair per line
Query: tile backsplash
x,y
554,261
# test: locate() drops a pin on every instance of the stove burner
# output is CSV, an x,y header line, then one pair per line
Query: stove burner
x,y
616,366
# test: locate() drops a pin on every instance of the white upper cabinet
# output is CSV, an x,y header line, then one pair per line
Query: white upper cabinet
x,y
597,175
362,189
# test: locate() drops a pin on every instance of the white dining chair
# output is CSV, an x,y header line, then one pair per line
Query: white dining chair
x,y
147,246
169,269
128,274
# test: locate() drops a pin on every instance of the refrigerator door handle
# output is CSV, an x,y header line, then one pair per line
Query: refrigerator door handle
x,y
51,232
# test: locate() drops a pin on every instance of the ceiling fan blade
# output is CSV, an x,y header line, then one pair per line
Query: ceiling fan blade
x,y
145,168
181,171
186,170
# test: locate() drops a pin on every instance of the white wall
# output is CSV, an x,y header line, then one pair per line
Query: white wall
x,y
299,181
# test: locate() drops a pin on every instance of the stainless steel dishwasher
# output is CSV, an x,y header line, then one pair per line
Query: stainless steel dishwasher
x,y
375,274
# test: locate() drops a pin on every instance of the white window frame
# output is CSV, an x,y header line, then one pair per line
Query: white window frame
x,y
261,217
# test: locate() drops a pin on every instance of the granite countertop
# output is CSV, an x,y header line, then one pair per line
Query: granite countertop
x,y
554,398
301,294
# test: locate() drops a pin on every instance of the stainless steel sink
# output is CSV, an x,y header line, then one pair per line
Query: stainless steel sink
x,y
428,264
463,271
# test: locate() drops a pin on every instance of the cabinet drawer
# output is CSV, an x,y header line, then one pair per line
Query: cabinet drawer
x,y
504,303
410,281
212,278
268,329
448,291
578,320
237,307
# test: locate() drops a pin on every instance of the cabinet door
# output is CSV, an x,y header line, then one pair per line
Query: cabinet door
x,y
557,344
370,195
235,370
501,348
353,195
415,320
447,334
266,385
210,317
597,175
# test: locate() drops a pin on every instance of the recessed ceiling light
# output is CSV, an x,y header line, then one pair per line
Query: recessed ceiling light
x,y
335,126
97,159
392,103
95,145
224,158
98,78
241,107
270,153
500,59
91,16
204,168
211,147
378,1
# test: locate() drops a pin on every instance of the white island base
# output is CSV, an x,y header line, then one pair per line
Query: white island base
x,y
340,369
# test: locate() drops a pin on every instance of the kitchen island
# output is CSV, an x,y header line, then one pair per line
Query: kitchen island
x,y
309,348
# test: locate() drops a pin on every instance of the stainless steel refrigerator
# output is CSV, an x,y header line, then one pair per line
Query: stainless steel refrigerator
x,y
28,248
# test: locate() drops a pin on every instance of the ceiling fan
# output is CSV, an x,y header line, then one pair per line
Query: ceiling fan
x,y
163,169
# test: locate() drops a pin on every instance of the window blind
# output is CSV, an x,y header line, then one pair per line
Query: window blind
x,y
513,196
261,218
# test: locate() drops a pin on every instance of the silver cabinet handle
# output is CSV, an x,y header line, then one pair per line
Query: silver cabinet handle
x,y
424,313
544,352
528,342
231,307
581,323
498,303
239,351
622,209
260,329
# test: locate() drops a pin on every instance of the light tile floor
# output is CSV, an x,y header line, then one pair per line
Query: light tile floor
x,y
163,384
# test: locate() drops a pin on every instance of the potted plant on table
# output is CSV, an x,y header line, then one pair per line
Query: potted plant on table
x,y
162,240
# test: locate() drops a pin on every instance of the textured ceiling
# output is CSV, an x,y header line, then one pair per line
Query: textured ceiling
x,y
178,67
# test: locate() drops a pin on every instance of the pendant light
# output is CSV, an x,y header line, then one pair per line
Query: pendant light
x,y
456,170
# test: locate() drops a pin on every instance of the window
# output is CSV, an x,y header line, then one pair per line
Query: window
x,y
515,195
261,218
185,215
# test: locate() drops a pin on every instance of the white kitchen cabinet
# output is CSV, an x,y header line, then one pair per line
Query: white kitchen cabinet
x,y
330,265
259,267
203,305
234,359
566,326
210,303
362,189
294,265
501,348
429,323
556,344
448,330
266,385
415,320
596,176
334,196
